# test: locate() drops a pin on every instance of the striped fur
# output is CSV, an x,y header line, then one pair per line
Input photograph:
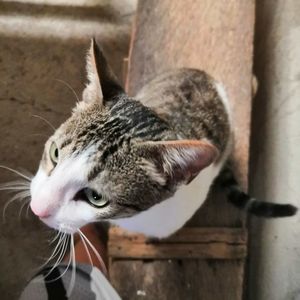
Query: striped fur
x,y
149,157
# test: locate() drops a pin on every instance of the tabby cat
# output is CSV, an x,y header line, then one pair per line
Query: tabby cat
x,y
144,163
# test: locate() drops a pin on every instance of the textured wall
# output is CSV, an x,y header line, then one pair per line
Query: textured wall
x,y
275,163
39,44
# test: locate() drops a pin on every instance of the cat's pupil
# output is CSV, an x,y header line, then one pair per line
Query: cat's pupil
x,y
96,196
56,153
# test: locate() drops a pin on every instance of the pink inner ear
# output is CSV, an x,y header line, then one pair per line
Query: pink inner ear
x,y
181,160
189,157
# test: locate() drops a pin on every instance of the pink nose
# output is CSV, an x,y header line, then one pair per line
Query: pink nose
x,y
41,213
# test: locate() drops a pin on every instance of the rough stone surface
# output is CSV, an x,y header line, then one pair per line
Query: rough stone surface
x,y
40,44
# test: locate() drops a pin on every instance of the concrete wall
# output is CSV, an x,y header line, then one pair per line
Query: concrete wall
x,y
275,163
41,41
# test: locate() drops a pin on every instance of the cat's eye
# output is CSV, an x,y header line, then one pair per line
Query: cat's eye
x,y
94,198
54,153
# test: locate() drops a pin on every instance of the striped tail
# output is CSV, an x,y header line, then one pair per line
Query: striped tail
x,y
243,201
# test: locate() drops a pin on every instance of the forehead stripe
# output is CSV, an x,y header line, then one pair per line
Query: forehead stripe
x,y
66,143
94,173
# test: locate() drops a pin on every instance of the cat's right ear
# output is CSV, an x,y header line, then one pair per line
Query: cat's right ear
x,y
103,85
179,161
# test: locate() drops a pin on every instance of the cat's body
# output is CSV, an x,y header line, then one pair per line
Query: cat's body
x,y
164,218
196,107
147,163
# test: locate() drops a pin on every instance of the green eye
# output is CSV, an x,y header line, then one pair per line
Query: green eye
x,y
94,198
54,153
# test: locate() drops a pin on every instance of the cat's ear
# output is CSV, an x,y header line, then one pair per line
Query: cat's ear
x,y
103,85
180,160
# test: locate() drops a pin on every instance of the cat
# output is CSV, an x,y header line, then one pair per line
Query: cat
x,y
144,163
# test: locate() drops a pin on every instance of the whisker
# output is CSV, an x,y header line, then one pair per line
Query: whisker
x,y
22,195
45,120
62,251
55,251
22,206
16,172
55,237
66,269
27,173
96,253
86,249
59,247
18,196
20,182
69,86
27,209
17,188
65,247
15,184
21,186
73,275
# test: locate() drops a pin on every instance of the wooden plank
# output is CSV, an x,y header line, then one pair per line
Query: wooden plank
x,y
215,250
217,243
185,235
178,279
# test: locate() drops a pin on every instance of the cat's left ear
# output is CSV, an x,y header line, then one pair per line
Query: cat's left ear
x,y
103,85
180,160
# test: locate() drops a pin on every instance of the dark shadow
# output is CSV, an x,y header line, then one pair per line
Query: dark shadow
x,y
262,57
104,13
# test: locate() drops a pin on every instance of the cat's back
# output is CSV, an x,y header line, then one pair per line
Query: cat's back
x,y
192,102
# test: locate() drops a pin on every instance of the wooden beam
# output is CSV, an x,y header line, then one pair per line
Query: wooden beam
x,y
216,243
184,235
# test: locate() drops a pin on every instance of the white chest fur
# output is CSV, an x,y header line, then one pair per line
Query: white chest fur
x,y
163,219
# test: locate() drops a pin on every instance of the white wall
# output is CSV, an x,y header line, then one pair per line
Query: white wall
x,y
275,163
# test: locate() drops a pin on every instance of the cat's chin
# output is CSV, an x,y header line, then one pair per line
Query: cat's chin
x,y
62,227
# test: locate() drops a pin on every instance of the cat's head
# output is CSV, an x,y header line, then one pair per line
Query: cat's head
x,y
112,158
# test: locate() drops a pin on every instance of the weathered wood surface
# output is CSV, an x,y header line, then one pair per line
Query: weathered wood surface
x,y
184,235
188,243
177,279
216,36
